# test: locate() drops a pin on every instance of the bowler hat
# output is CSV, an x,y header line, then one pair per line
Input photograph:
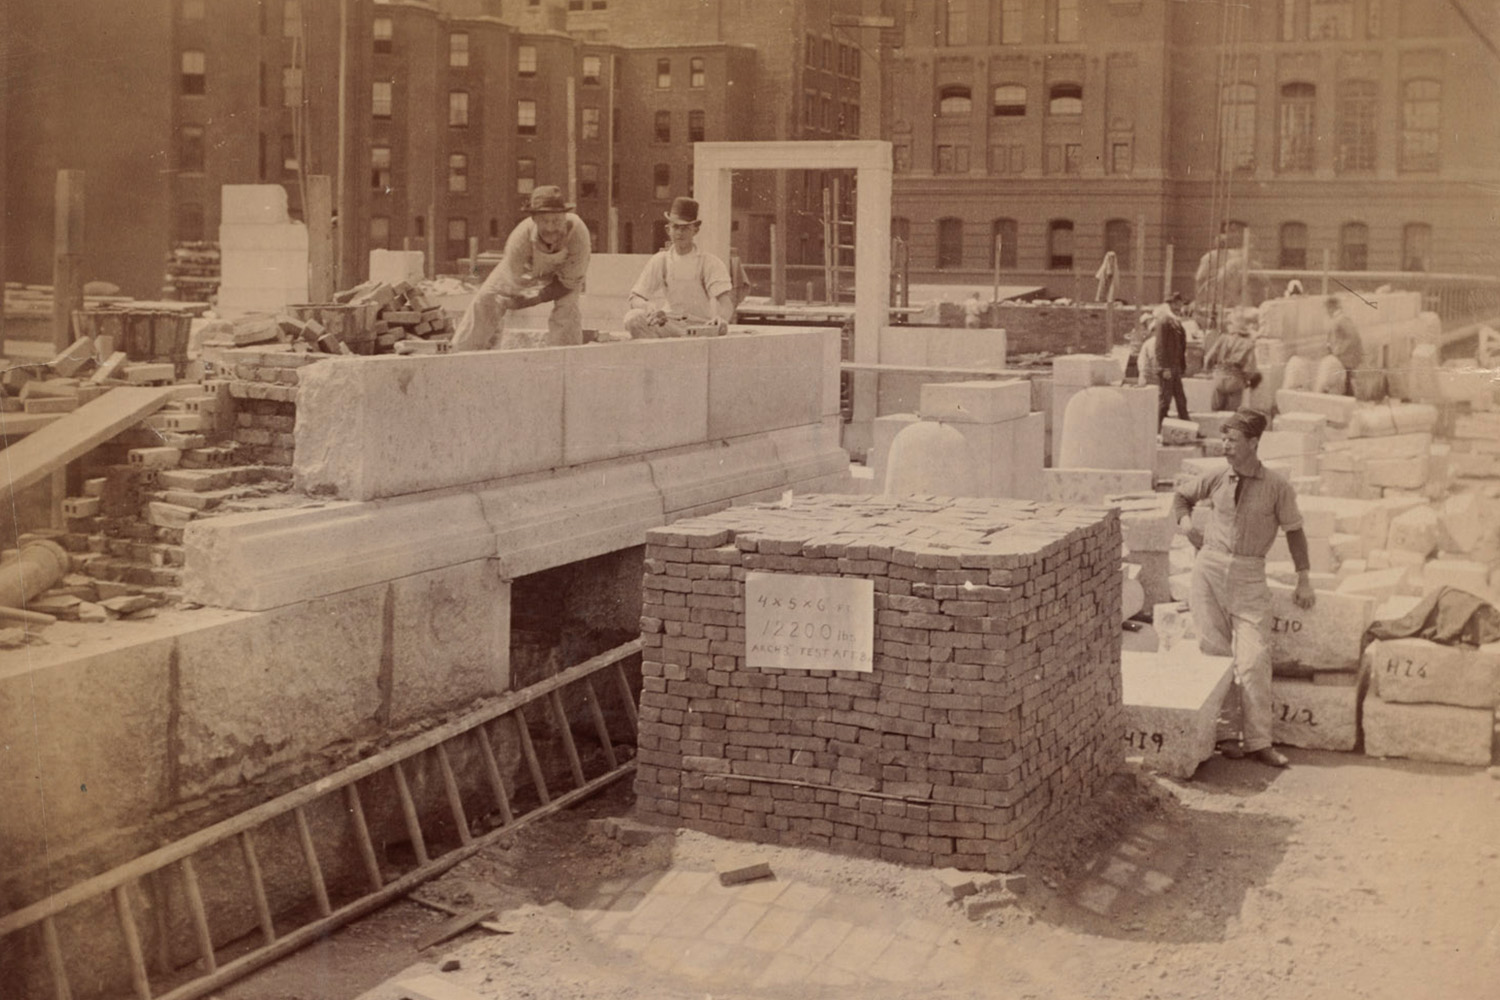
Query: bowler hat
x,y
547,198
684,211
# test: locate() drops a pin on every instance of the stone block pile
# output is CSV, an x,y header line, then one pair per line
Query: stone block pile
x,y
992,705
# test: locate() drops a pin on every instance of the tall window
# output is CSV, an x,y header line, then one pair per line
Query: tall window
x,y
458,48
901,156
1009,101
1416,246
1356,127
458,109
290,162
380,98
1354,246
380,232
697,125
661,181
380,168
952,159
663,74
1293,252
381,28
194,78
953,99
458,238
1295,128
1065,20
1003,234
1237,143
526,117
696,73
664,126
1121,158
950,245
588,180
1007,28
956,24
1060,245
291,86
1065,99
458,173
593,71
1063,158
291,18
191,150
1421,113
525,175
1009,158
590,123
526,60
1118,238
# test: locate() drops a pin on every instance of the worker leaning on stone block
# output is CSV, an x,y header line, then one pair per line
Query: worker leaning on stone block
x,y
546,259
681,286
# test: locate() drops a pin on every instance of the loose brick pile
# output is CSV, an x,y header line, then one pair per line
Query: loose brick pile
x,y
993,706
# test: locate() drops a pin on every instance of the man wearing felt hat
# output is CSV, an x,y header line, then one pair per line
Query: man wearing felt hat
x,y
546,258
681,287
1230,600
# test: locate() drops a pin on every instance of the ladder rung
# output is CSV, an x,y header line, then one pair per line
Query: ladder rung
x,y
528,750
455,800
314,870
138,977
362,835
200,916
560,714
156,883
60,988
257,887
409,812
599,724
492,769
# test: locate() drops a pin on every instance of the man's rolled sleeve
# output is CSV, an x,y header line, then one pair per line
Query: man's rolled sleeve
x,y
716,277
1288,514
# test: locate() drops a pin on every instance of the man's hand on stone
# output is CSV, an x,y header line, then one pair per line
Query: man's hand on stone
x,y
1304,596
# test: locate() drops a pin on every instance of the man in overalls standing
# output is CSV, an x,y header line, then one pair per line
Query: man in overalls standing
x,y
681,286
546,259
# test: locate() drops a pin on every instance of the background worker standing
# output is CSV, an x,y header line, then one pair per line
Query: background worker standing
x,y
546,259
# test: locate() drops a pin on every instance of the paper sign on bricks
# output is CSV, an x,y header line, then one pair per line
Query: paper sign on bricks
x,y
809,622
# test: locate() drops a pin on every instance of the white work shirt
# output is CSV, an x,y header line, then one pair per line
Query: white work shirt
x,y
684,285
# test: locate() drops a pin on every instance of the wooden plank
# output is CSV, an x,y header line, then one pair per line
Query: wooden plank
x,y
14,426
975,373
453,927
257,888
74,434
60,988
362,835
435,987
455,798
560,717
132,938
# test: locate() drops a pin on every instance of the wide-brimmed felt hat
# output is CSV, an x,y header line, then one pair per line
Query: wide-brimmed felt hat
x,y
684,211
547,198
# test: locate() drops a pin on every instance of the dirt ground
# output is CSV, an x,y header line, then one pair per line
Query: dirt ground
x,y
1342,877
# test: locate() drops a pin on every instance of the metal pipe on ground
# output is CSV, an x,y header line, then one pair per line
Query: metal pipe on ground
x,y
38,568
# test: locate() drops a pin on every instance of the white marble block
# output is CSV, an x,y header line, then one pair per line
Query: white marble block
x,y
1444,734
1420,670
1171,706
1324,637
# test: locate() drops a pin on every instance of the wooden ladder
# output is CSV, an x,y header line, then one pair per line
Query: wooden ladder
x,y
274,943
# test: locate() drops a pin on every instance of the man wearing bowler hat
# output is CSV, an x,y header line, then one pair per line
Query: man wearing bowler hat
x,y
546,259
681,287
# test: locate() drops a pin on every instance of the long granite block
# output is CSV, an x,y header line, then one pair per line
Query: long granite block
x,y
1444,734
1419,670
450,640
1315,716
975,402
630,398
1171,703
1338,409
1324,637
764,382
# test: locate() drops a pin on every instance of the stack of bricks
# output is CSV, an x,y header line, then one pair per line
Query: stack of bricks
x,y
263,388
993,705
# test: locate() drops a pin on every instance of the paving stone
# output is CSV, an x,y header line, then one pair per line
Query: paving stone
x,y
736,872
1420,670
955,884
1171,706
1314,716
1323,637
1444,734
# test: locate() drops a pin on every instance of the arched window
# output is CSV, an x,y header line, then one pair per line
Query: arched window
x,y
950,243
1354,246
1009,101
954,100
1416,246
1421,115
1065,99
1117,237
1237,144
1003,231
1292,255
1355,151
1060,245
1294,153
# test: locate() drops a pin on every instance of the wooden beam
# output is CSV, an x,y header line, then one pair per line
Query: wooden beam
x,y
67,249
74,434
320,238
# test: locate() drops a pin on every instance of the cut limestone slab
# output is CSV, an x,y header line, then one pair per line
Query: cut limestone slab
x,y
1178,432
1415,530
1146,523
1420,670
1314,716
1406,473
1379,584
1445,734
1338,409
1091,486
1169,460
1324,637
975,402
1171,705
1465,574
